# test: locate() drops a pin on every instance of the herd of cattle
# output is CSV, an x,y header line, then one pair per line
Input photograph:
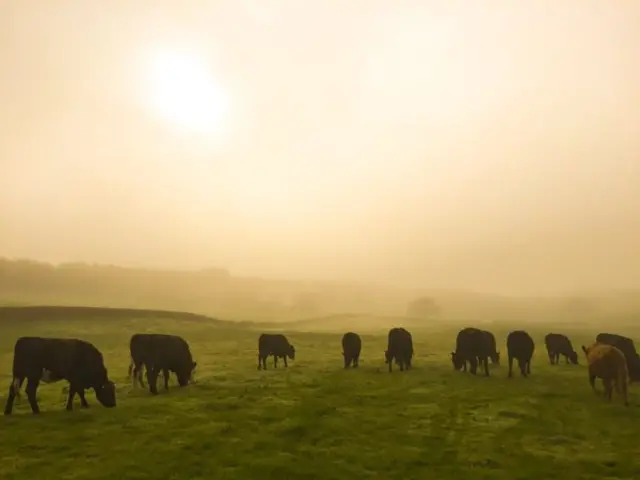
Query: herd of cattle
x,y
613,358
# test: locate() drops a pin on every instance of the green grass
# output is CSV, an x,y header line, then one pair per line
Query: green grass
x,y
315,419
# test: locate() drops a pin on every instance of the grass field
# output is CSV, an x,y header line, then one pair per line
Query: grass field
x,y
315,419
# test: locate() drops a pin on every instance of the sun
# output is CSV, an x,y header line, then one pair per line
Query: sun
x,y
182,90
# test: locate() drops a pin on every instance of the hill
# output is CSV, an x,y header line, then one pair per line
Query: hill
x,y
217,293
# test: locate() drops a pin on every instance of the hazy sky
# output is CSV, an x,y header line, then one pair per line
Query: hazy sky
x,y
489,144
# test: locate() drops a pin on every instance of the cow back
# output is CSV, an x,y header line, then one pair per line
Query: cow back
x,y
351,343
472,342
63,358
624,344
606,361
162,351
273,344
558,342
520,344
399,341
628,349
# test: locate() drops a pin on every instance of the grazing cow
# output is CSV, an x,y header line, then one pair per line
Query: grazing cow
x,y
277,345
520,346
490,340
399,348
608,363
628,349
54,359
558,344
157,353
473,346
351,347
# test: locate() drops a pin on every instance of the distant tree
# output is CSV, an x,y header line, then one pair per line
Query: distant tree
x,y
423,307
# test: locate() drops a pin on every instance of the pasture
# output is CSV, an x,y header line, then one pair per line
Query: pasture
x,y
315,419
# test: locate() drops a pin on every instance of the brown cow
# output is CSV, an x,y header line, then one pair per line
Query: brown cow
x,y
608,363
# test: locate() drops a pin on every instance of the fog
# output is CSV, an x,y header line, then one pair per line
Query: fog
x,y
490,145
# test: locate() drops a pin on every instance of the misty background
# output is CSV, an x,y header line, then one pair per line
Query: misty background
x,y
419,146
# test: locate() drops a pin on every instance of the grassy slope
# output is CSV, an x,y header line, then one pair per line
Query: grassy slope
x,y
316,420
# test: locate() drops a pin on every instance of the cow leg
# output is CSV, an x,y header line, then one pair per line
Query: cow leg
x,y
137,373
83,401
622,385
390,364
259,362
165,372
510,366
140,377
347,361
523,367
32,387
486,366
71,396
152,379
356,360
473,364
592,382
285,361
608,388
275,361
13,391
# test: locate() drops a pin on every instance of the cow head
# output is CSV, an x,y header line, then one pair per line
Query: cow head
x,y
106,394
495,358
387,356
573,357
456,361
291,353
186,376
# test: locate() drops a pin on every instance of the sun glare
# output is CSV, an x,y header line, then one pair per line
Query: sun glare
x,y
182,91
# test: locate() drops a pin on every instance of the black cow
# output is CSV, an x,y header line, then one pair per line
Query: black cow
x,y
277,345
54,359
520,346
628,348
399,348
473,346
558,344
158,352
351,347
